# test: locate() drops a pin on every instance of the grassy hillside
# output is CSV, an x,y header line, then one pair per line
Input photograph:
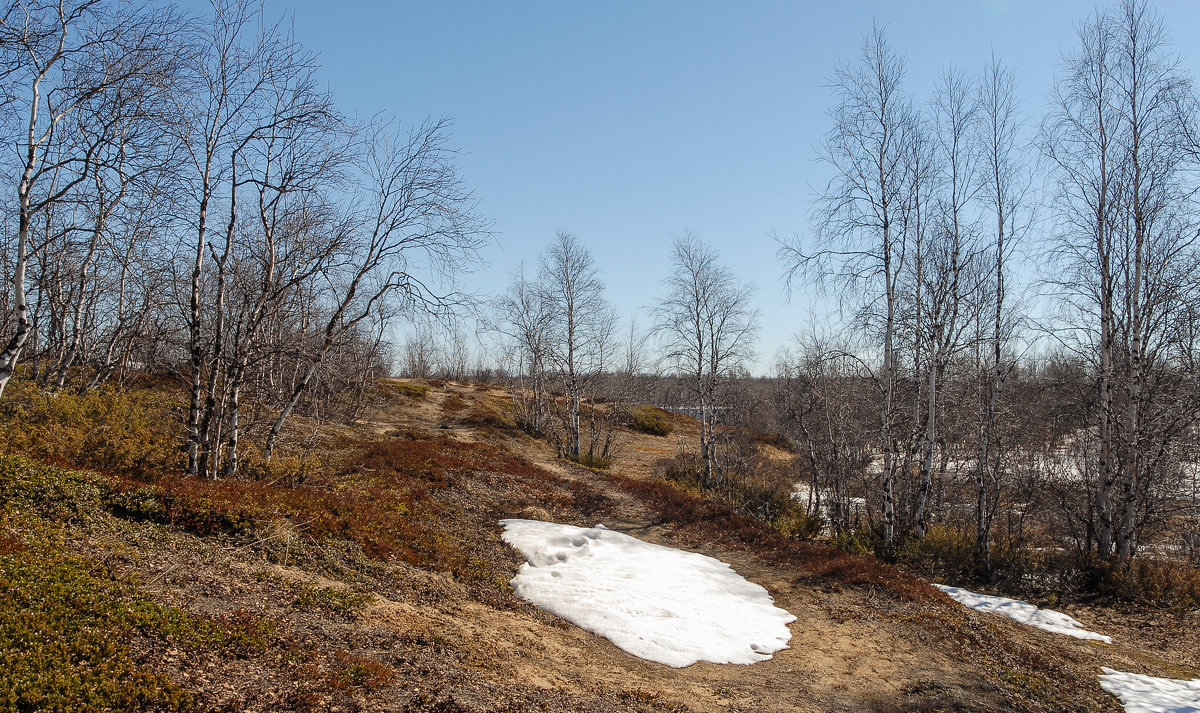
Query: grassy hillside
x,y
368,574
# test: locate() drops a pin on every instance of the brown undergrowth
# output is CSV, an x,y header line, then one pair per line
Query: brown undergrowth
x,y
377,580
812,561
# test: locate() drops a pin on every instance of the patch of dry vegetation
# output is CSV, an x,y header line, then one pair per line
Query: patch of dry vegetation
x,y
651,420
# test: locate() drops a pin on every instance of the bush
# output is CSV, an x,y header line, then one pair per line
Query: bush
x,y
651,420
594,462
1147,581
130,432
811,561
60,633
764,493
796,523
945,553
67,623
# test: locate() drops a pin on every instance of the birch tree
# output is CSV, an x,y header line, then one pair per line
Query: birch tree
x,y
409,237
708,325
56,57
949,275
1004,182
580,326
525,317
1124,193
857,218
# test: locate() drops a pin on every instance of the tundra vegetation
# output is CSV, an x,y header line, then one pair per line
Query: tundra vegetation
x,y
207,263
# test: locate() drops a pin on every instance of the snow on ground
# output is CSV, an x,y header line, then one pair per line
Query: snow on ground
x,y
1147,694
1024,612
655,602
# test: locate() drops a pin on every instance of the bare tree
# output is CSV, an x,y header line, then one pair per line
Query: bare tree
x,y
708,325
823,401
412,233
525,316
1003,185
858,216
950,275
1116,139
580,327
56,57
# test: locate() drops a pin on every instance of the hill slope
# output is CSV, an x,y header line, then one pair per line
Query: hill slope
x,y
383,585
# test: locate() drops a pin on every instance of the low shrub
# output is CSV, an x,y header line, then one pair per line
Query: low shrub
x,y
946,553
764,493
795,522
344,601
359,672
60,640
812,561
1145,580
131,432
411,389
594,462
66,625
453,404
651,420
49,490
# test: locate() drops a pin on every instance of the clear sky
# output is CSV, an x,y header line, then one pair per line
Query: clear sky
x,y
628,122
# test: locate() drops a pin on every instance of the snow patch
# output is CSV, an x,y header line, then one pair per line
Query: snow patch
x,y
1147,694
655,602
1024,612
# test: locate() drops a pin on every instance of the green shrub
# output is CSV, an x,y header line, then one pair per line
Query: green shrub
x,y
345,601
66,622
795,522
48,490
61,630
682,470
855,542
594,462
763,494
945,553
651,420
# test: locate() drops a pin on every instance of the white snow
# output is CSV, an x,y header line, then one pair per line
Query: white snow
x,y
655,602
1147,694
1024,612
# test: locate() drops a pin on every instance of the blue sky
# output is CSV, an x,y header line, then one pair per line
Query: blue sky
x,y
628,122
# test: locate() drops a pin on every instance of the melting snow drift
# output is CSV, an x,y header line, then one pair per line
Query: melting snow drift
x,y
658,603
1147,694
1024,612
